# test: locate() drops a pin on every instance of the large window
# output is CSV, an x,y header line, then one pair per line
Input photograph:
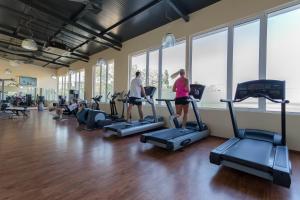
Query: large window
x,y
283,54
73,81
110,77
246,57
173,59
159,62
263,47
138,63
209,66
154,70
76,83
66,86
103,79
60,85
81,81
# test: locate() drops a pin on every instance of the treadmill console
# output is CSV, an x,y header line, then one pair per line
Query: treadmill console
x,y
273,89
196,90
150,91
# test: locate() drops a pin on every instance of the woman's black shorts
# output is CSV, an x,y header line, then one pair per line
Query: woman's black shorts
x,y
182,101
132,100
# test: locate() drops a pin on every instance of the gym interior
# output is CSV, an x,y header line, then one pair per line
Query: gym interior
x,y
95,95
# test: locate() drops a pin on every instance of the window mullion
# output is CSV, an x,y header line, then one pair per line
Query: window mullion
x,y
263,55
100,85
106,82
147,68
230,62
159,73
188,58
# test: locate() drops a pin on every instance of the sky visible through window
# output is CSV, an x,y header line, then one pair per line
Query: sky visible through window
x,y
283,55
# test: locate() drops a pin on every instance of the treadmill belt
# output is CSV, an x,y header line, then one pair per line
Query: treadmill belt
x,y
165,135
249,152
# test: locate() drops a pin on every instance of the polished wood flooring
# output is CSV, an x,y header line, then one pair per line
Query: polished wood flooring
x,y
44,159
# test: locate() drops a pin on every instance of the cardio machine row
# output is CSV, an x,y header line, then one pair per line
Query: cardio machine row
x,y
258,152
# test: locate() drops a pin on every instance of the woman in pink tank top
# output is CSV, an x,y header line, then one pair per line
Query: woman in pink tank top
x,y
182,89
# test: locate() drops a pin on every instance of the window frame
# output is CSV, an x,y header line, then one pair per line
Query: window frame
x,y
263,18
104,96
67,86
147,52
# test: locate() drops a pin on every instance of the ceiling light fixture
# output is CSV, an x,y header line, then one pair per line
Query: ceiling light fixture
x,y
168,40
29,44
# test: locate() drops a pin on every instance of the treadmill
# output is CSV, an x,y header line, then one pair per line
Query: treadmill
x,y
176,137
258,152
122,129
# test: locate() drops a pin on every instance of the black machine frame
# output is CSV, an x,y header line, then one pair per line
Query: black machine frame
x,y
271,159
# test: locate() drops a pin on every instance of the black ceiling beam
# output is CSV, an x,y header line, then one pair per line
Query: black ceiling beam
x,y
89,39
74,18
45,52
146,7
68,21
179,10
35,58
80,57
24,16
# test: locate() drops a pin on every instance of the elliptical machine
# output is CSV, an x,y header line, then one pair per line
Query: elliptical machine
x,y
97,119
96,102
114,115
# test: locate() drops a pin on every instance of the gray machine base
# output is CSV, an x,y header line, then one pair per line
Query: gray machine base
x,y
133,128
176,143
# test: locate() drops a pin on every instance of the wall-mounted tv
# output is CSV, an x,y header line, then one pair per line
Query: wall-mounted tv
x,y
28,81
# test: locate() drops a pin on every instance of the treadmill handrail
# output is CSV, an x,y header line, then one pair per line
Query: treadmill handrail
x,y
283,115
189,99
265,96
165,99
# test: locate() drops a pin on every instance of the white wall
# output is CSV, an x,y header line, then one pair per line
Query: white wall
x,y
218,14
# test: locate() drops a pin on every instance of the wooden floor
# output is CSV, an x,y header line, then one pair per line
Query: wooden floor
x,y
44,159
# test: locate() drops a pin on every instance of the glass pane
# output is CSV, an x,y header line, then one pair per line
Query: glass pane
x,y
138,63
96,90
246,58
283,61
77,80
209,67
110,77
81,84
73,79
60,85
153,70
66,92
103,82
173,59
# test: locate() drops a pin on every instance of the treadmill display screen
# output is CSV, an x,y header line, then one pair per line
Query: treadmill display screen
x,y
196,90
150,91
261,88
